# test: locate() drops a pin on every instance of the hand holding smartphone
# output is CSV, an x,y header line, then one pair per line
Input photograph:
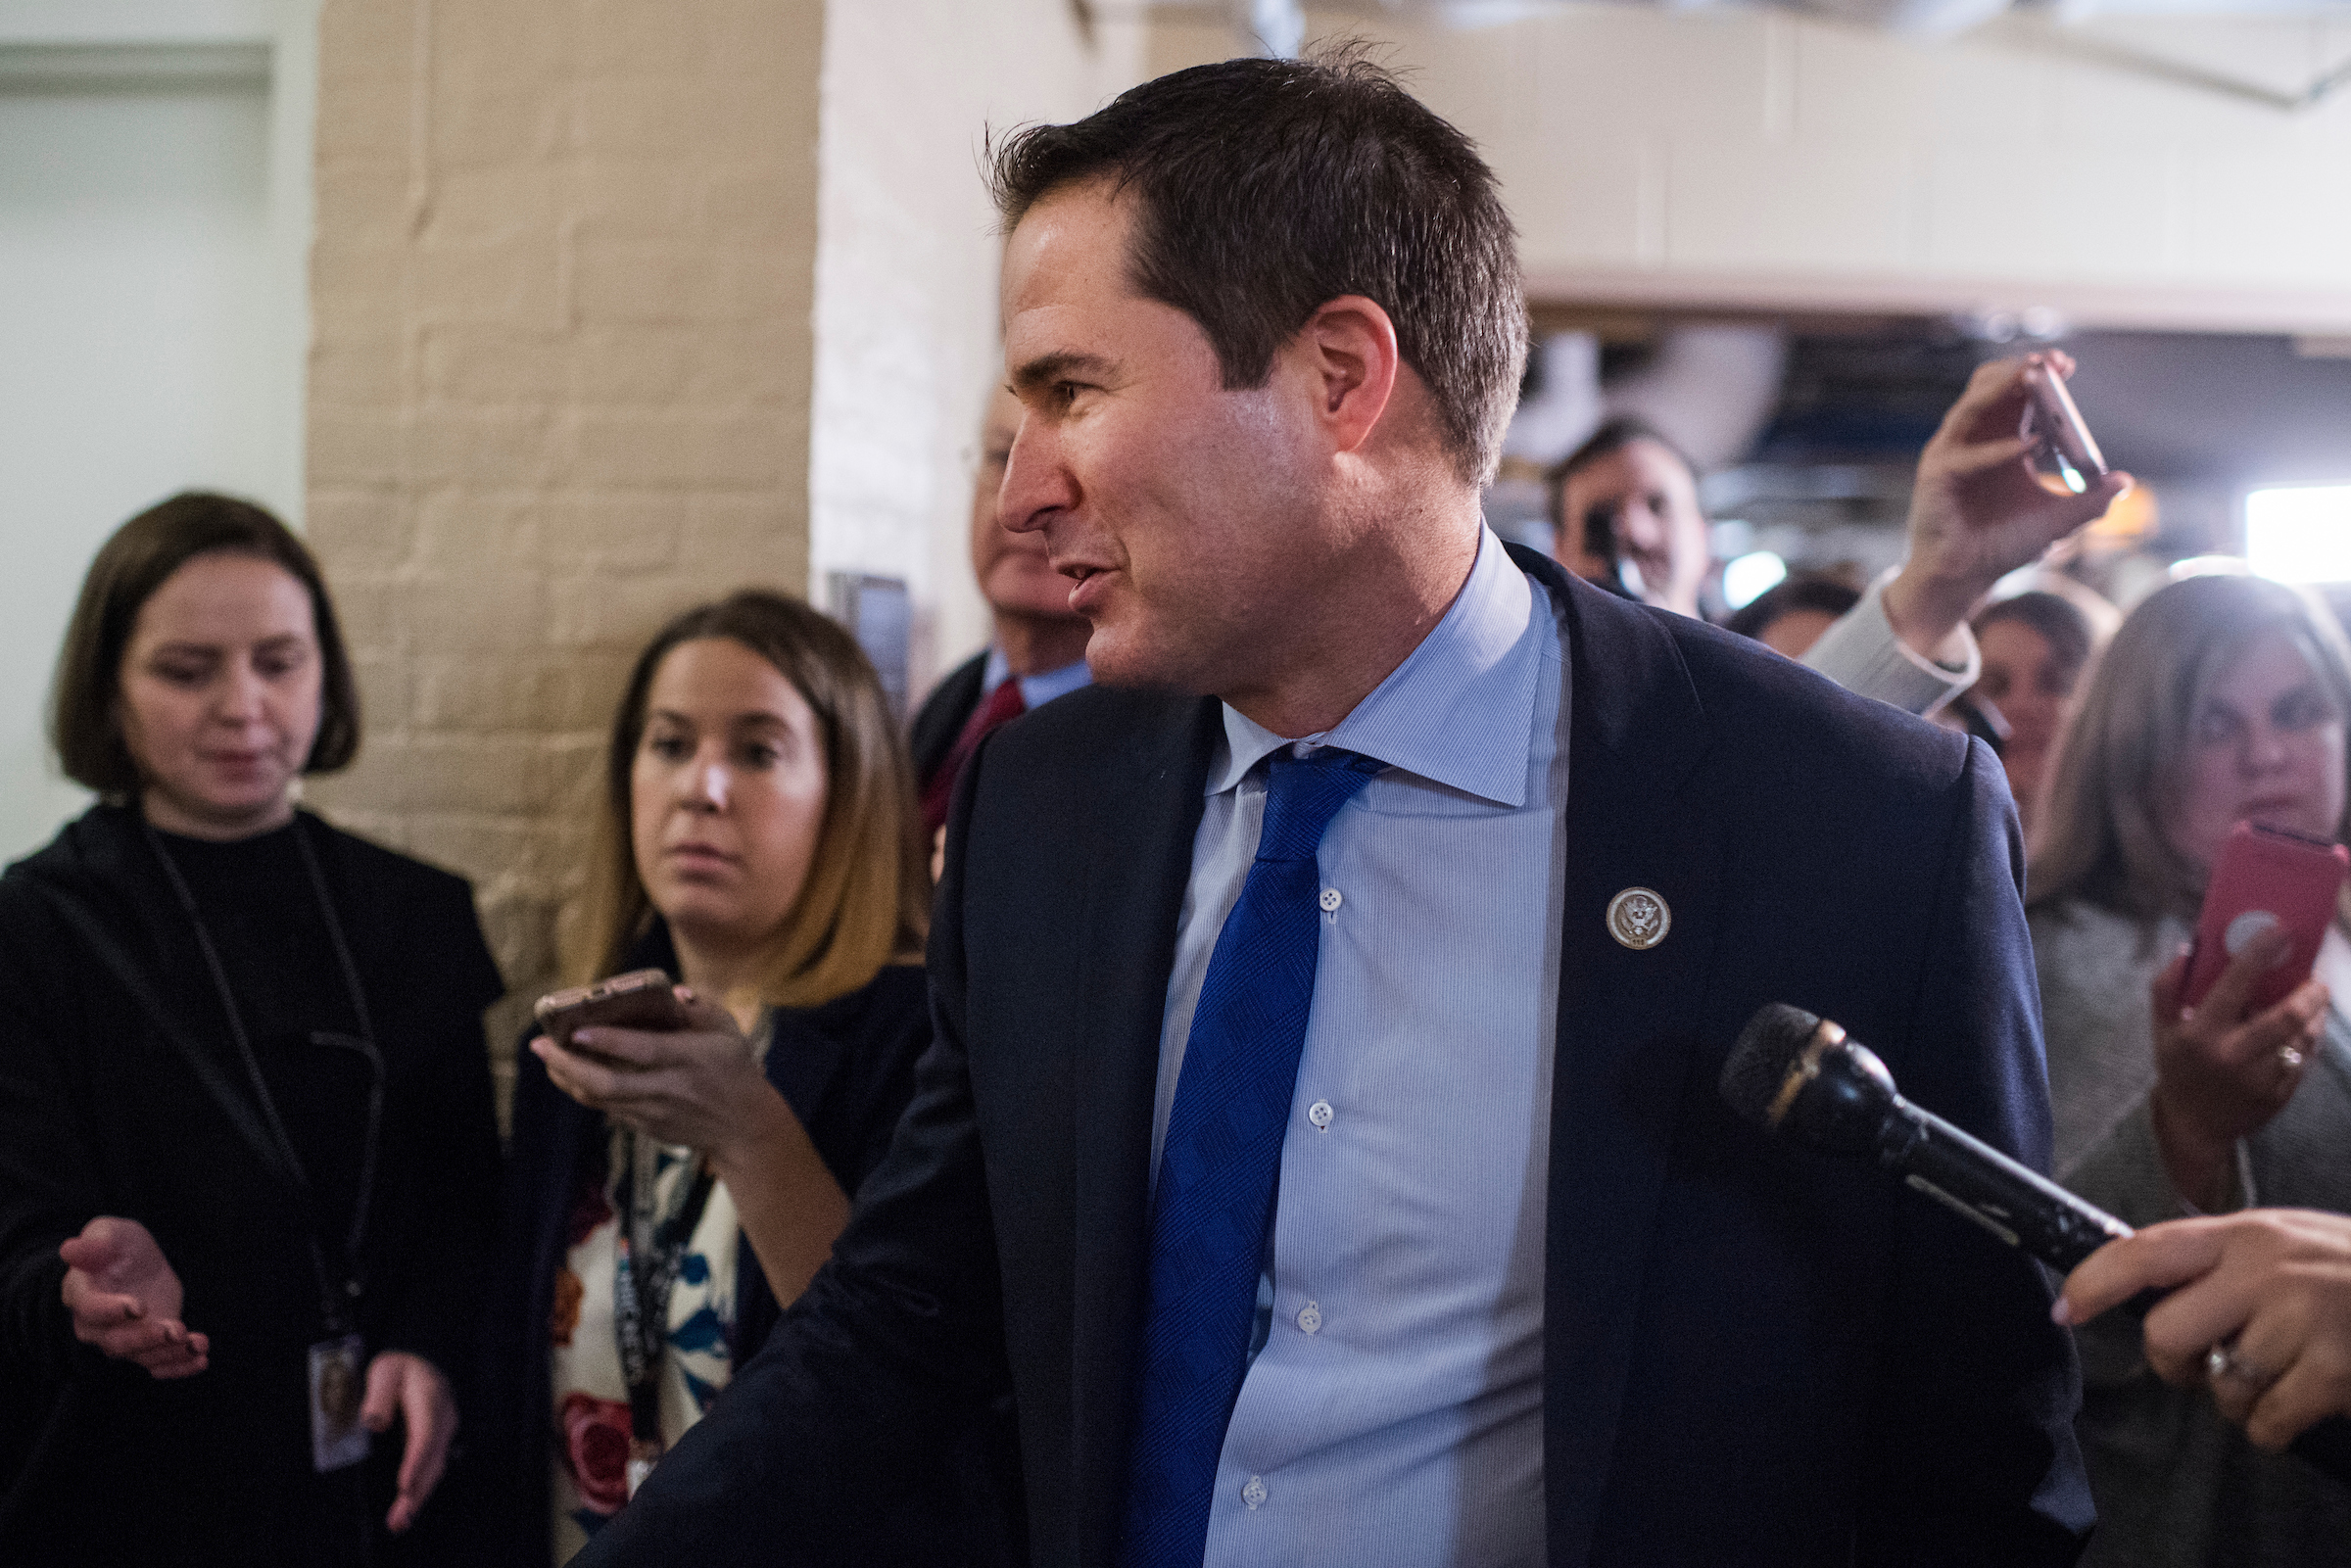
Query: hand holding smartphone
x,y
2265,878
642,999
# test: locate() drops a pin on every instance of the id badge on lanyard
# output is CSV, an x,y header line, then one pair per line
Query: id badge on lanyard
x,y
338,1387
337,1375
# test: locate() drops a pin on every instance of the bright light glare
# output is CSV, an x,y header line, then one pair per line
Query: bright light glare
x,y
1751,575
2301,535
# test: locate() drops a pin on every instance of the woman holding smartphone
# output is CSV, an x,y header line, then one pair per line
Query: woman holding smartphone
x,y
2223,699
669,1193
247,1160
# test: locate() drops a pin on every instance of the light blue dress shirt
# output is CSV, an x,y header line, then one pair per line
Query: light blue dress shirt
x,y
1394,1415
1036,690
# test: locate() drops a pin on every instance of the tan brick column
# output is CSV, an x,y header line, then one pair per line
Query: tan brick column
x,y
558,390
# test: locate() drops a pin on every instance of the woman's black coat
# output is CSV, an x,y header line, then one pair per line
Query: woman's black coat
x,y
846,1069
103,1111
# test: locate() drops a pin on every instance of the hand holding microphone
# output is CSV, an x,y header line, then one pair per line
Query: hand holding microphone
x,y
1798,1075
2259,1310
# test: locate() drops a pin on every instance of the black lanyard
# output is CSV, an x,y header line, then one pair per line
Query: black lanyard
x,y
335,1304
651,1248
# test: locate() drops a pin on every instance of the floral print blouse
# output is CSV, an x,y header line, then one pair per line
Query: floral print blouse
x,y
592,1396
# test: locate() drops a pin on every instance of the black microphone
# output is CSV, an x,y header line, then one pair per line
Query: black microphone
x,y
1796,1073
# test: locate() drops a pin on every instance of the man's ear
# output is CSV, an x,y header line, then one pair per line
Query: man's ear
x,y
1347,349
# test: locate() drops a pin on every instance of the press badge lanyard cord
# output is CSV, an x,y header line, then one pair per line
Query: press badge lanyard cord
x,y
645,1265
335,1306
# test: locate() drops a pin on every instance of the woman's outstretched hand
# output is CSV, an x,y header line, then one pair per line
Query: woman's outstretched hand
x,y
125,1299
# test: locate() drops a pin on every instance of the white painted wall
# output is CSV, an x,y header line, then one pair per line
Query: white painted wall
x,y
906,332
152,318
1759,156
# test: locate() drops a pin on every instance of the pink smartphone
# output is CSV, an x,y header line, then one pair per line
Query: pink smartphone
x,y
642,999
2267,877
2050,414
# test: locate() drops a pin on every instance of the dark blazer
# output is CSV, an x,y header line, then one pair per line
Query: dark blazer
x,y
846,1069
104,1110
943,715
1753,1355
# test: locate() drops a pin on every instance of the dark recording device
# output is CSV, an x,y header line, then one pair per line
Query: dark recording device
x,y
1796,1073
1599,540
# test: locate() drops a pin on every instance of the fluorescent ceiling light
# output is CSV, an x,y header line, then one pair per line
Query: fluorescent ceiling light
x,y
2300,533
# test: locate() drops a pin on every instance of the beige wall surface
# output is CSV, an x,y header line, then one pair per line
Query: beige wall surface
x,y
906,330
619,305
561,294
1729,156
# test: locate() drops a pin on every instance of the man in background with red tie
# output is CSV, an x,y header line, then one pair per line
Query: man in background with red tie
x,y
1038,652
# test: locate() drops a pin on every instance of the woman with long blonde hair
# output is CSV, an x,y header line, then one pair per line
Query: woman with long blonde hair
x,y
2223,699
669,1194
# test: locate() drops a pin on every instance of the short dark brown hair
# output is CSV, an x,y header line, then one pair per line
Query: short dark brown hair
x,y
141,556
867,899
1806,591
1265,188
2059,621
1612,437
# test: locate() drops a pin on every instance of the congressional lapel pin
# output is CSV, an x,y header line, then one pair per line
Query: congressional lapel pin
x,y
1639,919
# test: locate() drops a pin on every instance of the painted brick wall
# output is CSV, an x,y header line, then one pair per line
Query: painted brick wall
x,y
559,379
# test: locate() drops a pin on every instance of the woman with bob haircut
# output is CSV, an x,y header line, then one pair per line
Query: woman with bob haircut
x,y
248,1157
2223,699
669,1194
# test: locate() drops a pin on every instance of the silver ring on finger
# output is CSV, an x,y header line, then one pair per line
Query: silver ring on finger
x,y
2223,1361
2289,1057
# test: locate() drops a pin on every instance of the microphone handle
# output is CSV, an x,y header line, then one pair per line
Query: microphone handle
x,y
2022,1207
2033,1214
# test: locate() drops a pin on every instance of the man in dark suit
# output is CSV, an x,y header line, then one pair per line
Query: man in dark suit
x,y
1320,1136
1036,649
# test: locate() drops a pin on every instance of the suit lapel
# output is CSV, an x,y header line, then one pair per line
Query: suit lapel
x,y
1141,863
1627,1018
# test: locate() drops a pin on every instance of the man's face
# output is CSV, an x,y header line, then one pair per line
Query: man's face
x,y
1187,519
1651,502
1013,573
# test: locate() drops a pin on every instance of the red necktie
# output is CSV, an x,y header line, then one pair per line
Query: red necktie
x,y
1004,705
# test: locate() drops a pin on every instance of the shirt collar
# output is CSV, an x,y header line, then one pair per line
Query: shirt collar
x,y
1460,708
1036,690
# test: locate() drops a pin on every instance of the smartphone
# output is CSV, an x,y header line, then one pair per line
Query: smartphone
x,y
642,999
2266,878
2050,416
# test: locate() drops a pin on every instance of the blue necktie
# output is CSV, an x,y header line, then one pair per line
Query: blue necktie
x,y
1213,1206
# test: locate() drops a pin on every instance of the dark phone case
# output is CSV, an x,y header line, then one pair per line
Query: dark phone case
x,y
2291,879
640,999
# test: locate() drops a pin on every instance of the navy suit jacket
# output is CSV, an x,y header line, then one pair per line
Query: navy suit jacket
x,y
1753,1355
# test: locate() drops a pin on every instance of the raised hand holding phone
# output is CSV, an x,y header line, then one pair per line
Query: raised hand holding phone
x,y
1979,510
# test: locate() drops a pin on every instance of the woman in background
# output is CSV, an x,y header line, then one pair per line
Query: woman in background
x,y
2035,646
669,1194
2223,699
248,1160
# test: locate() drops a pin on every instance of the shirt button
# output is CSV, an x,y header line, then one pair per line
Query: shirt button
x,y
1320,1113
1331,900
1310,1318
1254,1494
